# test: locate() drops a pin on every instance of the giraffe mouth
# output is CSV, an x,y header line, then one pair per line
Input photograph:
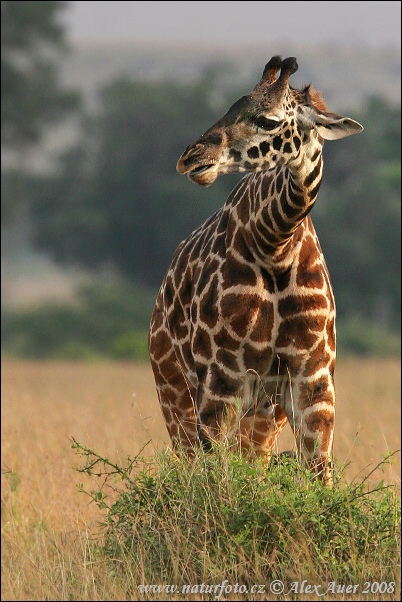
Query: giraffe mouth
x,y
200,169
203,175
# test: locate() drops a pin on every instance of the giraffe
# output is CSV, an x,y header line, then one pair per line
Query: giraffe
x,y
242,336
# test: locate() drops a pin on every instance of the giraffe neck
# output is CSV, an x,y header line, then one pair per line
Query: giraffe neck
x,y
277,202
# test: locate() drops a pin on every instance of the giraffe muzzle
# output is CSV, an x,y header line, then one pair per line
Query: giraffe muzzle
x,y
202,173
198,163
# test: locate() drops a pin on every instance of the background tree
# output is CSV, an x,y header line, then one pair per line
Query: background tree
x,y
32,40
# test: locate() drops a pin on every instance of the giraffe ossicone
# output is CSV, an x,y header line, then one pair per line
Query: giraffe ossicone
x,y
242,337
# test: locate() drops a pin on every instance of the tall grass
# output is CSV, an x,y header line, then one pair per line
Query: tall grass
x,y
53,545
219,516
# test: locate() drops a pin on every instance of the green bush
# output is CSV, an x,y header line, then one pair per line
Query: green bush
x,y
74,350
220,516
131,346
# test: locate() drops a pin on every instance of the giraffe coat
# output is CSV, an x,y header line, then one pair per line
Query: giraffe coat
x,y
242,336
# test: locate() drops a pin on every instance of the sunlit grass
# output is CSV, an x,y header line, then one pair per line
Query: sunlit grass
x,y
48,526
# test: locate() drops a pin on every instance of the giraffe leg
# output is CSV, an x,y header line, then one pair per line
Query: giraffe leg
x,y
178,411
215,418
310,408
259,431
254,432
176,395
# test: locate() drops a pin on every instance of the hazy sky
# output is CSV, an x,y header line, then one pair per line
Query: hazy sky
x,y
229,23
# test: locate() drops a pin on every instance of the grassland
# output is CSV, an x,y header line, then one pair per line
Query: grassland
x,y
48,525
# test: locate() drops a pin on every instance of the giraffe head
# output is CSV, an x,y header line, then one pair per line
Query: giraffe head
x,y
273,125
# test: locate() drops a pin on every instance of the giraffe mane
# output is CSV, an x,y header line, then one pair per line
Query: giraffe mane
x,y
314,97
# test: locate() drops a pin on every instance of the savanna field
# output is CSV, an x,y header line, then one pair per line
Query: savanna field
x,y
51,534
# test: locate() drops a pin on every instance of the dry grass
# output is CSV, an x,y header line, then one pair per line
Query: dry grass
x,y
113,408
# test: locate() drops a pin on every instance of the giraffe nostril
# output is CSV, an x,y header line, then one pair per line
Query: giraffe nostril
x,y
189,155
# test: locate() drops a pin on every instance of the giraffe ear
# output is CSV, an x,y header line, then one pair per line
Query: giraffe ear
x,y
335,127
330,126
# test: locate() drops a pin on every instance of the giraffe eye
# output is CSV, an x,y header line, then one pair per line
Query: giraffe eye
x,y
266,124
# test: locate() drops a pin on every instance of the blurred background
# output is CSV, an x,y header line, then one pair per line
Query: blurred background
x,y
98,101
